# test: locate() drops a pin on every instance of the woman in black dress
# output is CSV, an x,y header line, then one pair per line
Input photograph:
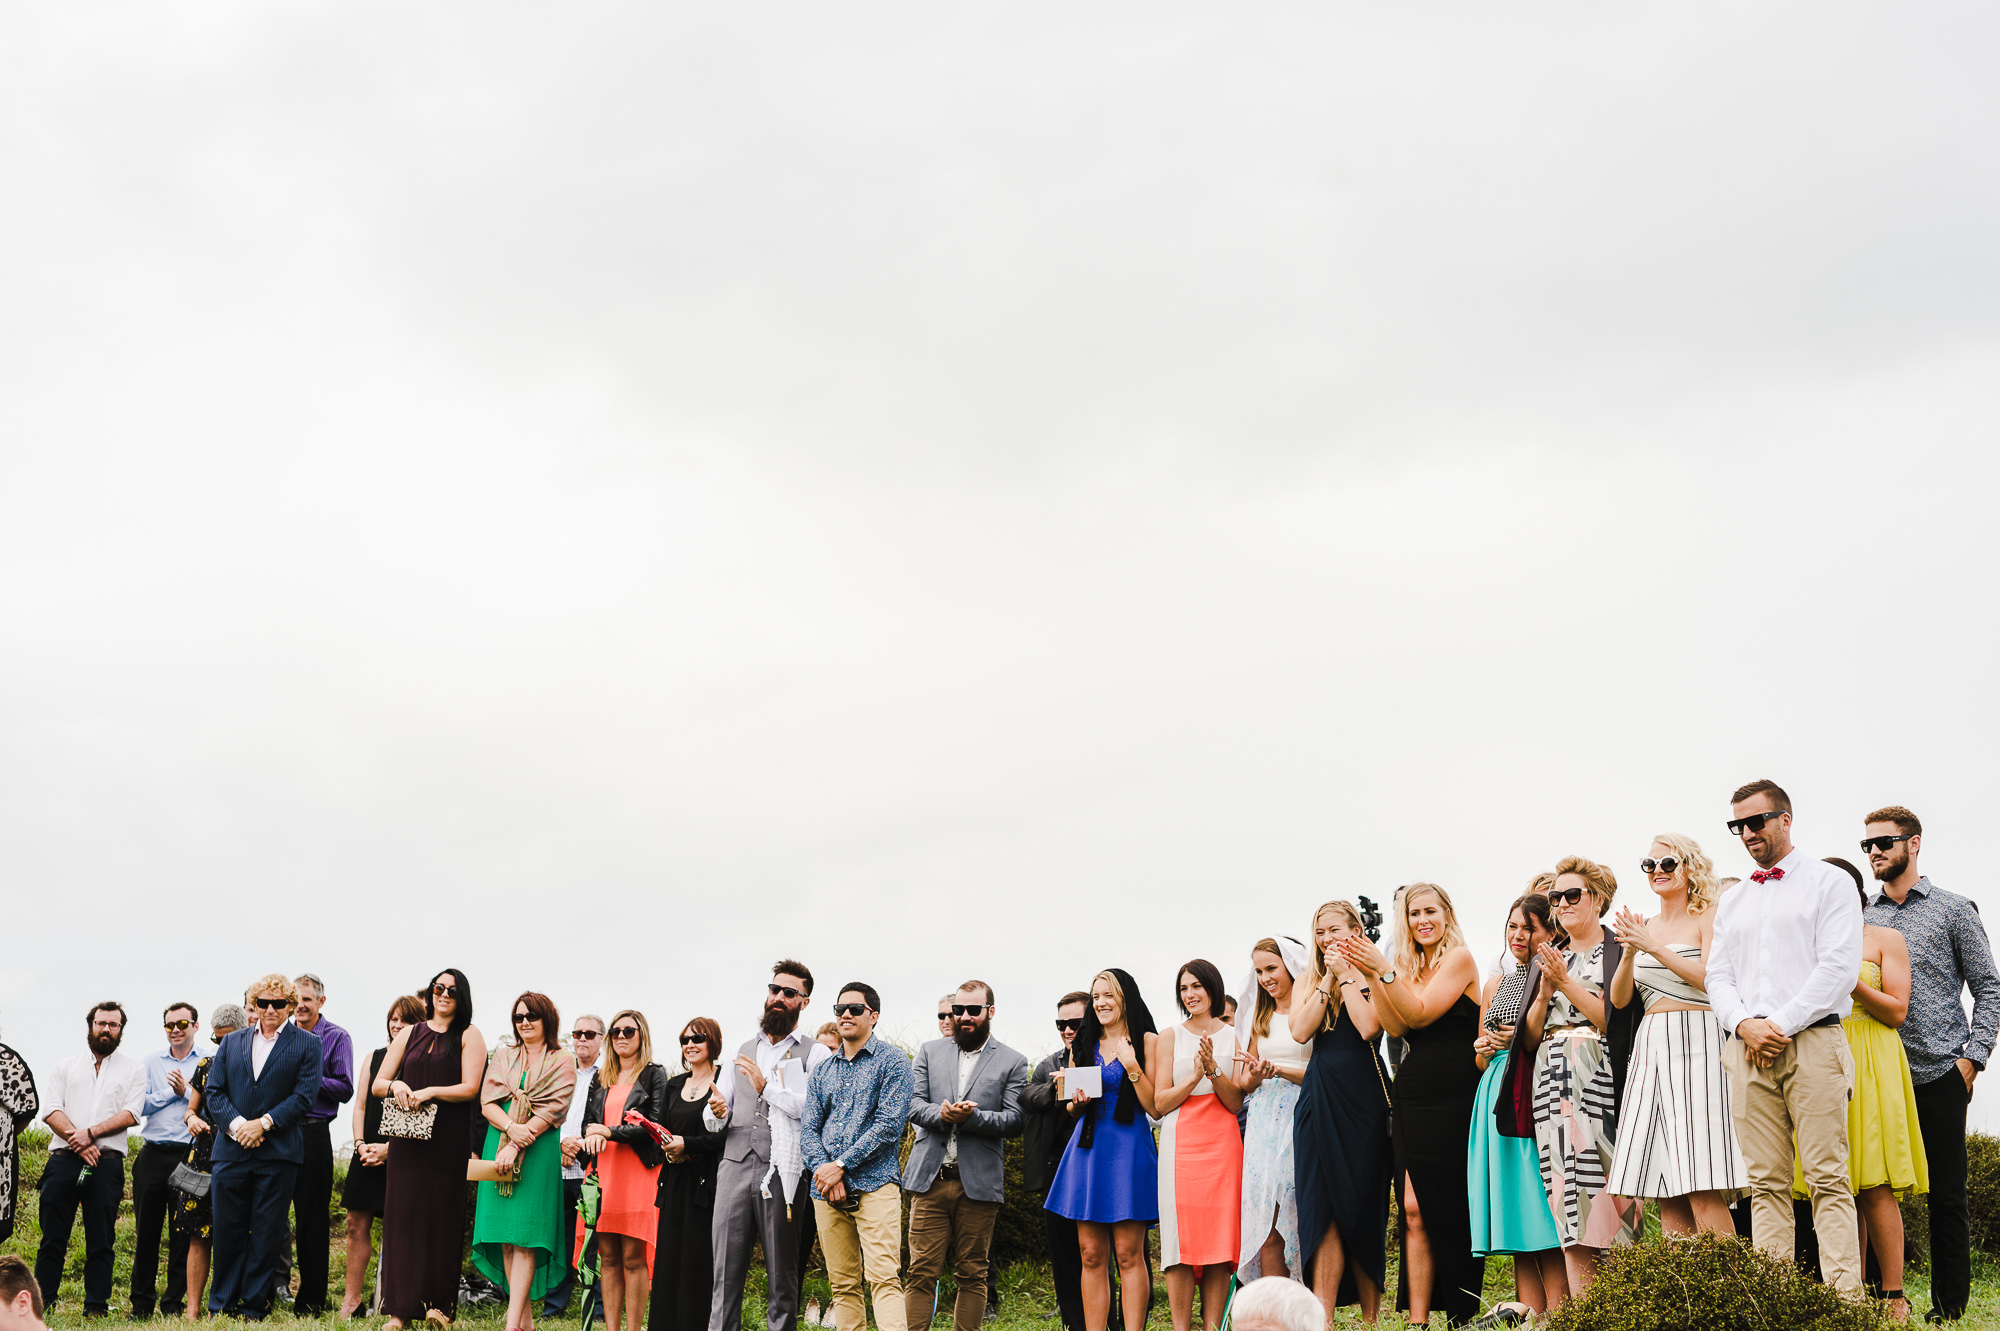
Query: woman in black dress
x,y
684,1255
1340,1139
367,1185
440,1060
1428,995
189,1216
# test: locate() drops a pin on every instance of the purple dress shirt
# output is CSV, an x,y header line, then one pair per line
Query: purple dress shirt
x,y
336,1078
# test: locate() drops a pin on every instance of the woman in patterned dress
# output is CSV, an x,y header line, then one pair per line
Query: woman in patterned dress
x,y
18,1106
189,1215
1273,1065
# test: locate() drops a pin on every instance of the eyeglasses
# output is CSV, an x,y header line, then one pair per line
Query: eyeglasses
x,y
624,1032
694,1039
945,1015
1754,823
178,1026
586,1035
1666,864
445,990
1069,1023
967,1009
525,1018
849,1009
786,990
1881,843
268,1003
1572,897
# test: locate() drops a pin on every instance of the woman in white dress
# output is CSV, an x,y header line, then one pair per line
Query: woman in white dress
x,y
1271,1066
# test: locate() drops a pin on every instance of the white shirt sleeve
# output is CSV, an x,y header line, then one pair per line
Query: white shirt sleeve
x,y
726,1083
134,1098
1723,996
790,1099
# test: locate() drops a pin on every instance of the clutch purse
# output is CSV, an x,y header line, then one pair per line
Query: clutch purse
x,y
189,1180
415,1125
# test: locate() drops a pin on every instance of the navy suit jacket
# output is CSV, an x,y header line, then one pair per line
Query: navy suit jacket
x,y
286,1091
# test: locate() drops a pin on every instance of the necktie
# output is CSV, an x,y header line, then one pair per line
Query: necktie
x,y
1767,875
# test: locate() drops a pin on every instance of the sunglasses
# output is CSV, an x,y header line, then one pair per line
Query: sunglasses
x,y
445,990
785,990
945,1015
849,1009
586,1035
1572,897
525,1018
268,1003
967,1009
178,1025
1881,843
1665,864
693,1039
624,1032
1754,823
1069,1023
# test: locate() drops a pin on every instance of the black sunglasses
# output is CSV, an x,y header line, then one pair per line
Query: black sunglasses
x,y
849,1009
624,1032
967,1009
274,1002
586,1035
786,990
1573,896
179,1025
525,1018
1881,843
1754,823
945,1015
445,990
1069,1023
1665,864
694,1039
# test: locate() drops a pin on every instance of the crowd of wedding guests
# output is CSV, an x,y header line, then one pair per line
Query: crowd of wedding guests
x,y
1731,1048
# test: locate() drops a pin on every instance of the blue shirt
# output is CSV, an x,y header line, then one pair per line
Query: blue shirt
x,y
855,1111
1948,955
165,1110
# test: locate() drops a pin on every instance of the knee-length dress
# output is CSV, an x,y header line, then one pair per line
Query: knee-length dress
x,y
1509,1212
1340,1143
1434,1089
683,1256
630,1190
367,1185
1201,1163
423,1208
1117,1176
1676,1134
1576,1119
1270,1170
526,1211
189,1216
1884,1145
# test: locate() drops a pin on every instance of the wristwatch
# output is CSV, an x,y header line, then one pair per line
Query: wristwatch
x,y
1388,976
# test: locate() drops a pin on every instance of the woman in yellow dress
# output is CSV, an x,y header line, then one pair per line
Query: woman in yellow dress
x,y
1885,1152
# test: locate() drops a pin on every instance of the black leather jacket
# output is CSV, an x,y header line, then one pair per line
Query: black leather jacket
x,y
649,1097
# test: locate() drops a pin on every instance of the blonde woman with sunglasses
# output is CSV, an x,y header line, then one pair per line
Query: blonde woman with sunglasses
x,y
628,1167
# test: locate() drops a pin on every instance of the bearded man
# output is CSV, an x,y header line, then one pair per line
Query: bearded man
x,y
94,1102
766,1082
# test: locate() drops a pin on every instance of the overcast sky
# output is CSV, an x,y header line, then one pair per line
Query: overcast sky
x,y
607,499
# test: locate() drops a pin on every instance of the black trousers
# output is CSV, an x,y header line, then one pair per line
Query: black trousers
x,y
312,1202
64,1193
248,1199
558,1297
1066,1268
151,1197
1941,1119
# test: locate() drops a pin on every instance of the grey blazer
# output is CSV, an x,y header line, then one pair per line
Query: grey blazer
x,y
995,1086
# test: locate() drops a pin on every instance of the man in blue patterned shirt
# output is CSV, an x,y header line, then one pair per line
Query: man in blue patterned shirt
x,y
1949,952
856,1105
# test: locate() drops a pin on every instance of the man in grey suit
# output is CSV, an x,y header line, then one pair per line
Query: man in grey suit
x,y
967,1101
761,1187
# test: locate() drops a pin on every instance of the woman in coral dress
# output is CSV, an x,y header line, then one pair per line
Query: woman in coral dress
x,y
1201,1149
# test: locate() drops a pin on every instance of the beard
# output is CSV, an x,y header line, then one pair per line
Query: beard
x,y
779,1020
971,1038
1893,867
105,1045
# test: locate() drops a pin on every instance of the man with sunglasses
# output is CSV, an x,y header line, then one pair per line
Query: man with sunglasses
x,y
93,1101
1782,964
586,1042
769,1076
166,1143
1049,1119
966,1100
1949,953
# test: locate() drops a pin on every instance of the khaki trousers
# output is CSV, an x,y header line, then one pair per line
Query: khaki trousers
x,y
1802,1096
865,1242
945,1220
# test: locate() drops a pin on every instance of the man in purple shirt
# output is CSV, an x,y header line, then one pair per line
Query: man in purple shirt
x,y
312,1196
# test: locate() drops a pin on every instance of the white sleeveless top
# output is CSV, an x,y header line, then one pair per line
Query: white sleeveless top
x,y
1187,1051
1280,1048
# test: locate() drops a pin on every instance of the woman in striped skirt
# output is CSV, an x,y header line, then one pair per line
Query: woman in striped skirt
x,y
1676,1141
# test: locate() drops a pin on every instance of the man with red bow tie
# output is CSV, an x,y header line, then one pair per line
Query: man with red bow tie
x,y
1781,967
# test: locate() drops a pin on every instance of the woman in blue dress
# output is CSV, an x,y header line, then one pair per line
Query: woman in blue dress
x,y
1108,1180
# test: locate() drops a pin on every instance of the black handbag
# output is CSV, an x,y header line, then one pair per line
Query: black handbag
x,y
189,1180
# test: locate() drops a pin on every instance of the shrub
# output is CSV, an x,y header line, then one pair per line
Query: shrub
x,y
1708,1283
1982,1189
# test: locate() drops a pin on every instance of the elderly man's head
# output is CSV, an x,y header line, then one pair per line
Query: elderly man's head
x,y
1276,1304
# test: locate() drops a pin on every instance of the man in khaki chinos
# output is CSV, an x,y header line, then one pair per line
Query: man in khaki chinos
x,y
1782,964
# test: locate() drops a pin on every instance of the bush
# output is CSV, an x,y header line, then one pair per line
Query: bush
x,y
1708,1283
1982,1190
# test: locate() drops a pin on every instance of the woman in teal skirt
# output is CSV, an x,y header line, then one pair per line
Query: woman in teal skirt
x,y
1503,1175
517,1229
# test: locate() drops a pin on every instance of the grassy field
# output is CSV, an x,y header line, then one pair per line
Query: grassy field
x,y
1027,1302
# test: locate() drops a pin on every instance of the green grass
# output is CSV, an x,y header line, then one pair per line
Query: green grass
x,y
1026,1295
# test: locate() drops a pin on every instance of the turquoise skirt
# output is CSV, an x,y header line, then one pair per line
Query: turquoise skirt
x,y
1503,1180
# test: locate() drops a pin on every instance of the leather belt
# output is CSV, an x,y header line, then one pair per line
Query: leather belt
x,y
948,1171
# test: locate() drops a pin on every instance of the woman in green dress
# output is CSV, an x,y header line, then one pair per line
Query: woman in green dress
x,y
517,1227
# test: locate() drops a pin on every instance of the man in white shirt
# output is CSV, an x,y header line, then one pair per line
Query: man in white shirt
x,y
586,1042
166,1142
1785,958
94,1100
765,1083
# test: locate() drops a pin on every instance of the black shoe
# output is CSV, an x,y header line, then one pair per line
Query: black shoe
x,y
1507,1314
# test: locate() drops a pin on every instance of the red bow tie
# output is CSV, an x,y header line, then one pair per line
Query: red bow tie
x,y
1767,875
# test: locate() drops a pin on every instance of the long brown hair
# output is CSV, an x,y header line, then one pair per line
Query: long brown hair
x,y
615,1071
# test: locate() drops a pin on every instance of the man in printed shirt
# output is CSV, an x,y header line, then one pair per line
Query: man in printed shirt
x,y
1781,968
856,1107
94,1100
167,1143
1949,953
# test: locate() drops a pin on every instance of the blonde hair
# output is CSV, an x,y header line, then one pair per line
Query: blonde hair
x,y
614,1067
1316,969
274,983
1601,882
1405,954
1267,1006
1702,887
